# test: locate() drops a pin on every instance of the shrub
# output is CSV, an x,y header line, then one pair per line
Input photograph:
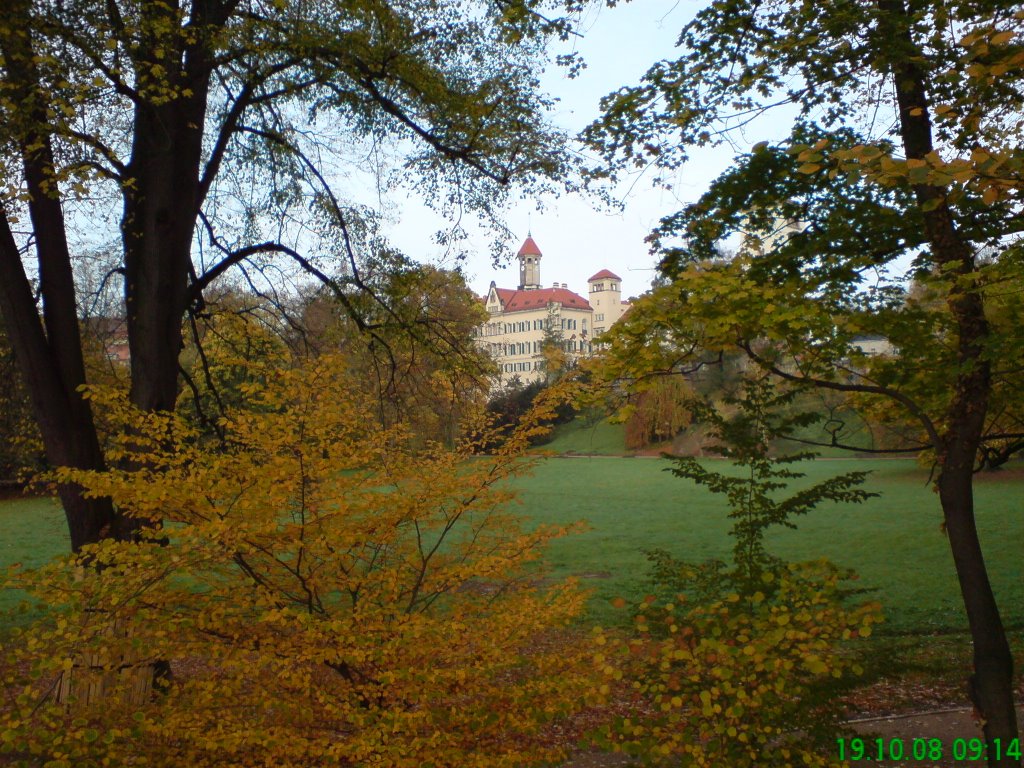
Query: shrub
x,y
737,664
741,680
322,593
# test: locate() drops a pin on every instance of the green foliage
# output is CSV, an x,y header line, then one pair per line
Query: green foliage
x,y
512,403
737,665
746,437
905,149
839,220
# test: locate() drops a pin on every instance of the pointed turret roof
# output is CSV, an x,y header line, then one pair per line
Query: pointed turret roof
x,y
604,274
529,248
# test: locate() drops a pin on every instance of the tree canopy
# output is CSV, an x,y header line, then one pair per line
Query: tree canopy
x,y
199,137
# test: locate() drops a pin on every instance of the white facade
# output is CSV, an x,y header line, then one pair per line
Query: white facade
x,y
520,318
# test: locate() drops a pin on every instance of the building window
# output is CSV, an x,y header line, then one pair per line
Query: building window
x,y
598,318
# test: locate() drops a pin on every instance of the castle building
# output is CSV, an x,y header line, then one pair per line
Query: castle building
x,y
521,320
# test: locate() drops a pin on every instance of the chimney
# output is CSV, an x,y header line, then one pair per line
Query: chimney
x,y
565,285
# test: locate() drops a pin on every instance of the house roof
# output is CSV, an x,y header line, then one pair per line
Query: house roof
x,y
529,248
604,274
520,301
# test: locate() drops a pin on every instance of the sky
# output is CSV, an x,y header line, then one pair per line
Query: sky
x,y
618,45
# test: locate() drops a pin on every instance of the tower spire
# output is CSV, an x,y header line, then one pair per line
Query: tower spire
x,y
529,265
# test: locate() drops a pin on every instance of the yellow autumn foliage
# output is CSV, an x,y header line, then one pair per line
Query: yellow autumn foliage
x,y
739,680
323,593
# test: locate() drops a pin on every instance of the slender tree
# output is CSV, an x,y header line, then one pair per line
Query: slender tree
x,y
905,156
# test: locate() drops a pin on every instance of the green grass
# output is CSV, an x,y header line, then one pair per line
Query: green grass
x,y
894,541
32,532
591,438
631,504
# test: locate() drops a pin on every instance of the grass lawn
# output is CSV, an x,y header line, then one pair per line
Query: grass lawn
x,y
894,541
32,531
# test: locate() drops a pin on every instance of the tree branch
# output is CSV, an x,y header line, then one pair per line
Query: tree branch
x,y
899,397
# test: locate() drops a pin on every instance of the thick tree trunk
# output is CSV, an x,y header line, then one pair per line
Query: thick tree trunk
x,y
160,215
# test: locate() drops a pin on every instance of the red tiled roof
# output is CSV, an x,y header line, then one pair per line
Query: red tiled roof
x,y
505,295
604,274
529,248
520,301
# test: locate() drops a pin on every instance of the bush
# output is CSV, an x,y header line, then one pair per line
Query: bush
x,y
737,664
322,593
742,680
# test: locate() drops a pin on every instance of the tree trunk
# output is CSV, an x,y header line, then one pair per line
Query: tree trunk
x,y
991,685
64,418
160,212
48,349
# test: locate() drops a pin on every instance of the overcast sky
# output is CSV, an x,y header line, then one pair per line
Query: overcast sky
x,y
619,45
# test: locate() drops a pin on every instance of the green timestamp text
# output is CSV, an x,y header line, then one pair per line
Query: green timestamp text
x,y
922,749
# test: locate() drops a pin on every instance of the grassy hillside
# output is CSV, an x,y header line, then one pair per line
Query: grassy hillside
x,y
588,438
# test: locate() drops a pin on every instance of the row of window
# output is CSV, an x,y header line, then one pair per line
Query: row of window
x,y
498,329
534,348
518,367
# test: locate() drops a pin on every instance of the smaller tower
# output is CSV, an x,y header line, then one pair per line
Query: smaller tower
x,y
529,265
606,299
